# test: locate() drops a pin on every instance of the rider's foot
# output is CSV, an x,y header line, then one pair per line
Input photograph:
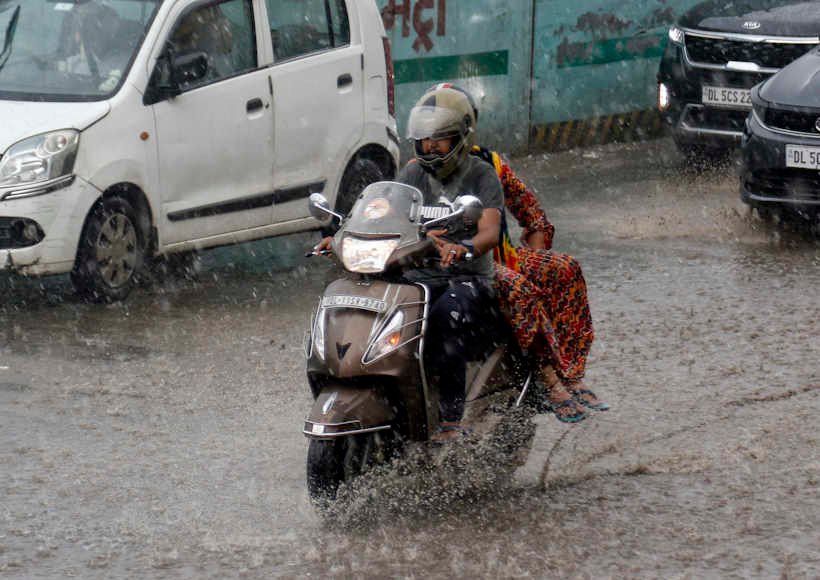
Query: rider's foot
x,y
449,431
585,396
565,407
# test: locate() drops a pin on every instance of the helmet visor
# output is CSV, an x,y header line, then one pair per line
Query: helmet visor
x,y
432,122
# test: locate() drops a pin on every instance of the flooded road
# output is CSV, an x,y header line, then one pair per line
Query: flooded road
x,y
162,437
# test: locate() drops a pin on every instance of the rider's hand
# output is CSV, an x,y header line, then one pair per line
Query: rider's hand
x,y
448,251
324,245
535,240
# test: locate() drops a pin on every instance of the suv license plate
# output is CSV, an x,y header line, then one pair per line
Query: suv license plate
x,y
727,97
802,157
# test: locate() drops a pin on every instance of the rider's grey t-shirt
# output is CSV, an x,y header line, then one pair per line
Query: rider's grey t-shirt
x,y
473,177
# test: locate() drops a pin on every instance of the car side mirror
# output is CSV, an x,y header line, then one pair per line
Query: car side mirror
x,y
320,209
174,71
470,207
189,67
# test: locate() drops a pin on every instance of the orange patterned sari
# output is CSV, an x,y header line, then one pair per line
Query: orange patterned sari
x,y
542,292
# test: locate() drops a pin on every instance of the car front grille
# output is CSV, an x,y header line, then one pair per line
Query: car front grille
x,y
709,118
725,78
799,122
719,51
786,183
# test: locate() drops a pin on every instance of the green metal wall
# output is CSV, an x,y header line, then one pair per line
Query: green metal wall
x,y
537,66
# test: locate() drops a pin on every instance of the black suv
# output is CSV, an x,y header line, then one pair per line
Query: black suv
x,y
781,145
717,52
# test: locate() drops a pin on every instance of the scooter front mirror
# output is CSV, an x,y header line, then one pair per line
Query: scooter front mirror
x,y
470,206
320,208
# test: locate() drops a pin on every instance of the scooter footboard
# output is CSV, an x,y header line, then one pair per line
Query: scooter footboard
x,y
342,410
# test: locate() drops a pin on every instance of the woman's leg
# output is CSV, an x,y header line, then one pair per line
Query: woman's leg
x,y
562,291
522,307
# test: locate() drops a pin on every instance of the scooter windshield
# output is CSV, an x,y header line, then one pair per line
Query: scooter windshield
x,y
386,209
384,219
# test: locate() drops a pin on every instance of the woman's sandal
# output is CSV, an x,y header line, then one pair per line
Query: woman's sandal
x,y
578,395
579,414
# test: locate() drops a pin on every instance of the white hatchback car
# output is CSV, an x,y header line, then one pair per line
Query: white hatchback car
x,y
130,128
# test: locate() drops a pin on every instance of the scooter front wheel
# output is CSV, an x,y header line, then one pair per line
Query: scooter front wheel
x,y
331,462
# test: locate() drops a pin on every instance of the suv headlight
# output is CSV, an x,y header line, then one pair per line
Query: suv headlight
x,y
39,159
367,256
676,35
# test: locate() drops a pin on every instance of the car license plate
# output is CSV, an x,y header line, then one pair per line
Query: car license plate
x,y
727,97
802,157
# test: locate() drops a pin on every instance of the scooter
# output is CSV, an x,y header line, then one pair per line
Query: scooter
x,y
365,346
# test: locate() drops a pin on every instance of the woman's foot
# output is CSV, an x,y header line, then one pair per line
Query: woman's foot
x,y
565,407
449,431
585,396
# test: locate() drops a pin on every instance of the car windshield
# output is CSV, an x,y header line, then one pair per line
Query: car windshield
x,y
75,50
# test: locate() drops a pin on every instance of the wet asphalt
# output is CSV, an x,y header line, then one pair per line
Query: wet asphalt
x,y
161,437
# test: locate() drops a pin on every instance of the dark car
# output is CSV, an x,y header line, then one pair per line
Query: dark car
x,y
717,52
781,144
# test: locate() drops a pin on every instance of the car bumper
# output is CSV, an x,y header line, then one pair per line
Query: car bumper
x,y
60,214
766,181
692,123
707,127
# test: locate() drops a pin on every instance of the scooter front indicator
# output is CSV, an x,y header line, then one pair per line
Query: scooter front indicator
x,y
388,340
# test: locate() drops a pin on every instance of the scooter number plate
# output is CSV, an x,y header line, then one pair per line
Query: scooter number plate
x,y
362,302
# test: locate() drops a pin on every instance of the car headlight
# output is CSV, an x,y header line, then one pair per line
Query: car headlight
x,y
664,97
676,35
367,256
388,340
39,159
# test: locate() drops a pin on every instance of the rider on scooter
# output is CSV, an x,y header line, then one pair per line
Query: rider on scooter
x,y
442,128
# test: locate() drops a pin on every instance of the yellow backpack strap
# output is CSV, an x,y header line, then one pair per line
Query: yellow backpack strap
x,y
496,158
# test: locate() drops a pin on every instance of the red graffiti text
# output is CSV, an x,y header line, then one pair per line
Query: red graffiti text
x,y
416,11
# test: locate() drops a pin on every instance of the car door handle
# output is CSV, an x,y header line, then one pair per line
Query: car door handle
x,y
344,80
254,105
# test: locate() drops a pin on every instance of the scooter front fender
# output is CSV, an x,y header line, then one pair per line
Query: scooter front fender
x,y
342,410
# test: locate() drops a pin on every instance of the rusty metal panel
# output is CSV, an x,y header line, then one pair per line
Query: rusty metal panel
x,y
597,58
565,72
482,45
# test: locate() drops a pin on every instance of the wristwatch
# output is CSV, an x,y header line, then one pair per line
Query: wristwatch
x,y
470,249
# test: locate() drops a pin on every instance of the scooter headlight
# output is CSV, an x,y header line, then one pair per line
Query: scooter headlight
x,y
367,256
388,340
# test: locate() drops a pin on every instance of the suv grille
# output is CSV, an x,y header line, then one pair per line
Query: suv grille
x,y
719,51
725,78
788,183
801,122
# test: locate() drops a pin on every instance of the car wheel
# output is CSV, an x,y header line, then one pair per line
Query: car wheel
x,y
111,252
